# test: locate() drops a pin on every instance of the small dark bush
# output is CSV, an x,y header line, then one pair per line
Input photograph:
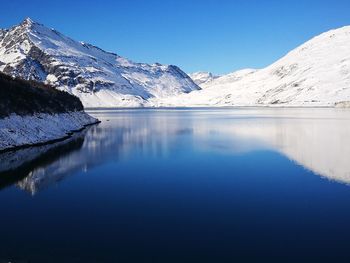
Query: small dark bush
x,y
27,97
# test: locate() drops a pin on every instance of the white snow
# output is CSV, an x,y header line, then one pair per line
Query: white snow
x,y
90,69
51,78
314,74
203,78
18,130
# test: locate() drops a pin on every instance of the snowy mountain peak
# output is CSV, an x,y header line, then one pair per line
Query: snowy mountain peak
x,y
28,22
26,25
99,78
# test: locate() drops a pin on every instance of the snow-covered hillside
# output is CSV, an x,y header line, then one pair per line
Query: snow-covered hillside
x,y
314,74
19,131
100,79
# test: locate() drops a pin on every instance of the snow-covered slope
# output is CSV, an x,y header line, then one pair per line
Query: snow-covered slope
x,y
315,74
19,131
33,51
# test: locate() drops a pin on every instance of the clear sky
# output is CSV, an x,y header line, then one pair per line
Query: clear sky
x,y
218,36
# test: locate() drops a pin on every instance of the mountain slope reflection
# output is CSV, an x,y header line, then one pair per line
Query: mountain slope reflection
x,y
317,139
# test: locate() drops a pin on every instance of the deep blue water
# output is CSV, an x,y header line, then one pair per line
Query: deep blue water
x,y
229,185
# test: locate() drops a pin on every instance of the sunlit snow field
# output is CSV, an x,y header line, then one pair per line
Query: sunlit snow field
x,y
183,185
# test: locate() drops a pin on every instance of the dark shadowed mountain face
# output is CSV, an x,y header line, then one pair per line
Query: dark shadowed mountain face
x,y
99,78
28,97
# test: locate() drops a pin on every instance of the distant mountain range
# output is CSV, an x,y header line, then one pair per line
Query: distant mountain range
x,y
202,78
315,74
100,79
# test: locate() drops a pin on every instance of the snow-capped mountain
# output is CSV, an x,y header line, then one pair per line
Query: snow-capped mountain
x,y
203,78
315,74
100,79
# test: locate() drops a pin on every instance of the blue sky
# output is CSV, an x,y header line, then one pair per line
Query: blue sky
x,y
207,35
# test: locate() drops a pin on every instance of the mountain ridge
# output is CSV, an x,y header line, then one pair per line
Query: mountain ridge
x,y
317,73
99,78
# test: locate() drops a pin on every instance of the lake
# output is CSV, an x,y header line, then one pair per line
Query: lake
x,y
183,185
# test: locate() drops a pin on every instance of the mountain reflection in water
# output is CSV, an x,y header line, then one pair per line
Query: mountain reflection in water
x,y
317,139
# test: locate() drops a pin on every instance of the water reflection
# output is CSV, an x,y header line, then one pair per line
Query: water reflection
x,y
317,139
37,167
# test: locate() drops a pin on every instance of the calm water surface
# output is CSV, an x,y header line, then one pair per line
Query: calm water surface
x,y
203,185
